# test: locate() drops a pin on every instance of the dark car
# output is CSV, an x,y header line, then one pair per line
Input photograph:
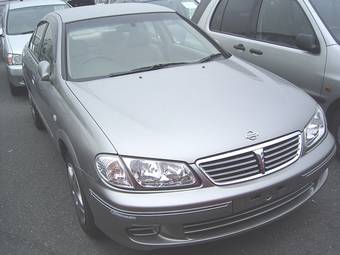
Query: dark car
x,y
77,3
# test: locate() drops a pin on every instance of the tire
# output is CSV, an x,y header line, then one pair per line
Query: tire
x,y
83,211
335,130
38,123
15,91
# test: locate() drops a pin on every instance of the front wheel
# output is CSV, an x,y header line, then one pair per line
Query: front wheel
x,y
83,211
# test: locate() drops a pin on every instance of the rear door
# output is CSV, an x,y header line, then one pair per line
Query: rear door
x,y
264,32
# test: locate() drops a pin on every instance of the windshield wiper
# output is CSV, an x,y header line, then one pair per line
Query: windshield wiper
x,y
149,68
210,57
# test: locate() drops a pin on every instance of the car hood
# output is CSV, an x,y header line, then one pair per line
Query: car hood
x,y
189,112
18,42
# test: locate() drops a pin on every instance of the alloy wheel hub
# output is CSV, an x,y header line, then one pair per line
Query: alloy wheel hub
x,y
76,193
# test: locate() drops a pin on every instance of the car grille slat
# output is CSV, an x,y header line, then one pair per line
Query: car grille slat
x,y
282,144
280,157
233,177
279,152
224,173
274,165
228,161
252,162
233,167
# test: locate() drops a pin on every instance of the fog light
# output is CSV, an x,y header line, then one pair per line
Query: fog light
x,y
144,230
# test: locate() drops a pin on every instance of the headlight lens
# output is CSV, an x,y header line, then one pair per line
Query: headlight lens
x,y
149,174
315,129
14,59
160,174
112,171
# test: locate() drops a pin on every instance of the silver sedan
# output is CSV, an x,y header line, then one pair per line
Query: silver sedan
x,y
167,139
18,19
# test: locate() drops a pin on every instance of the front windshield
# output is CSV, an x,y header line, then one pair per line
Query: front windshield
x,y
329,12
24,20
107,46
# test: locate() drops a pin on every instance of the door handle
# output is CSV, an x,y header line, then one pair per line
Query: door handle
x,y
240,47
256,52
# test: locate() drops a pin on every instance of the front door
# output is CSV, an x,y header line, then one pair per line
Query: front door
x,y
46,89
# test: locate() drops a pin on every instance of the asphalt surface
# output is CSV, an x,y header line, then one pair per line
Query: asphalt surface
x,y
37,215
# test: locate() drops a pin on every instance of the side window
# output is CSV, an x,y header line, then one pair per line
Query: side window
x,y
240,17
280,21
1,13
47,52
216,20
36,39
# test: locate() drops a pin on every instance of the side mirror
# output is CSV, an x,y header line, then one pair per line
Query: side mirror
x,y
307,42
1,32
44,70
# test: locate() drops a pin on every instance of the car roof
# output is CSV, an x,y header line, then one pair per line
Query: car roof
x,y
100,11
30,3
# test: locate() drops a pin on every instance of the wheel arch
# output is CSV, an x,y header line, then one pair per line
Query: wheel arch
x,y
332,110
65,147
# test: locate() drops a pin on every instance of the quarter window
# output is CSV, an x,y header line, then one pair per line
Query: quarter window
x,y
280,21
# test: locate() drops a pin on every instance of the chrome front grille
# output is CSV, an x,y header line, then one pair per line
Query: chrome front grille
x,y
252,162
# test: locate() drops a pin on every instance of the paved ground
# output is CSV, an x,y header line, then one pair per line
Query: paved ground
x,y
37,217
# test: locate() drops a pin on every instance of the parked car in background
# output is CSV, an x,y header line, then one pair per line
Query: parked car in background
x,y
186,8
167,139
2,9
102,1
295,39
78,3
19,21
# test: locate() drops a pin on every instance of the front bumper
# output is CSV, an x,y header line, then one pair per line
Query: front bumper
x,y
15,75
163,219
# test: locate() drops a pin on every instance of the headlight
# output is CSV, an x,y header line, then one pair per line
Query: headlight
x,y
149,174
14,59
112,171
315,129
160,174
